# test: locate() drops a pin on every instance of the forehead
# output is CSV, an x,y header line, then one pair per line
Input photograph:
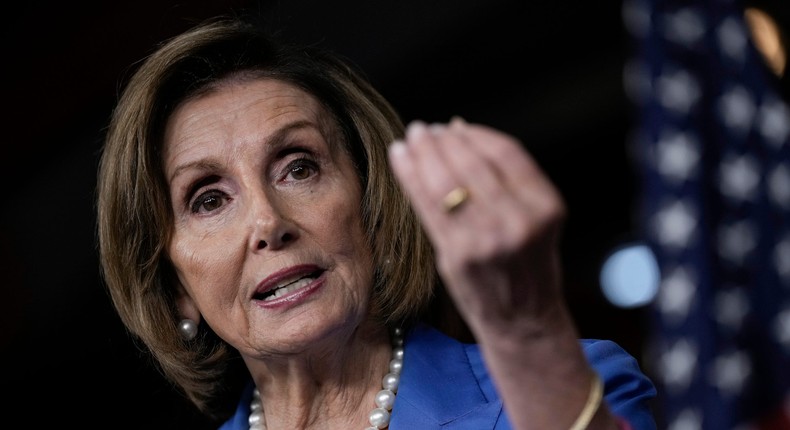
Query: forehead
x,y
237,110
262,99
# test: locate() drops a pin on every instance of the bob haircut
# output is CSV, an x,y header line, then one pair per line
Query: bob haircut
x,y
135,219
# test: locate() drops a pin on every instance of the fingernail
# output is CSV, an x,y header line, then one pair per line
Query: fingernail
x,y
397,149
457,121
437,129
415,130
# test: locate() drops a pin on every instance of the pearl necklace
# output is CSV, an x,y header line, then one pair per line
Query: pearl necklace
x,y
379,417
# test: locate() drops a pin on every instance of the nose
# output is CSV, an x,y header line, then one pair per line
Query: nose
x,y
271,229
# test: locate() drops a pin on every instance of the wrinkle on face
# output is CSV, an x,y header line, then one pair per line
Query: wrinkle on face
x,y
237,133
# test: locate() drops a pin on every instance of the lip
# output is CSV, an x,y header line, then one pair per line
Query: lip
x,y
286,275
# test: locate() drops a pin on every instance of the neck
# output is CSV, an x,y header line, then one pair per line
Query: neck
x,y
333,389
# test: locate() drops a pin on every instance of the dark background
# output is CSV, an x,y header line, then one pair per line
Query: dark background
x,y
546,72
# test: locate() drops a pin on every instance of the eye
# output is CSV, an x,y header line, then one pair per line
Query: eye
x,y
302,169
209,201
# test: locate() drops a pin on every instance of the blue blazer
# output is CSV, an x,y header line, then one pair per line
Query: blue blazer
x,y
445,386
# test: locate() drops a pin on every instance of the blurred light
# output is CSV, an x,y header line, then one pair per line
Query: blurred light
x,y
630,276
767,38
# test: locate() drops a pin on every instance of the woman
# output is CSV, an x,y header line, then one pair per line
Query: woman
x,y
257,234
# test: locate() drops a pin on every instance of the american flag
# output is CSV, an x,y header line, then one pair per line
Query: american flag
x,y
712,143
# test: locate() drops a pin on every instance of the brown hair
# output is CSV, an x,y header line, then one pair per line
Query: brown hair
x,y
135,218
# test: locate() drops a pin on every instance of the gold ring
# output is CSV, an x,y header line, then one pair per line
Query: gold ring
x,y
455,199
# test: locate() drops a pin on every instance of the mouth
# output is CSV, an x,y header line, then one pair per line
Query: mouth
x,y
285,283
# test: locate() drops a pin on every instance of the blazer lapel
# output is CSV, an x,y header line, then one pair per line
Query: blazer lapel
x,y
443,385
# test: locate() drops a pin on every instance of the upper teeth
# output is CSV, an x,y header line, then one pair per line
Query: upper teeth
x,y
281,291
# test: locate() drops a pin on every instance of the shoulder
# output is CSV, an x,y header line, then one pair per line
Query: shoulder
x,y
609,358
628,390
615,365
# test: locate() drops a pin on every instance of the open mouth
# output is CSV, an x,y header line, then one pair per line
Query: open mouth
x,y
287,287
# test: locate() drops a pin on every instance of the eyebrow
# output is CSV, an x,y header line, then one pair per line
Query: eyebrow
x,y
272,144
197,164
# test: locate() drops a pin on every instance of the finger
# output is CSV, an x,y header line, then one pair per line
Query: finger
x,y
485,178
406,169
423,172
516,167
491,213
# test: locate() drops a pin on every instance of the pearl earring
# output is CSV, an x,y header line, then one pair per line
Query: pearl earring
x,y
188,329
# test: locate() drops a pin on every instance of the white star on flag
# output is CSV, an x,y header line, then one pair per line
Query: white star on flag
x,y
678,364
774,121
730,372
674,224
676,294
737,109
738,178
677,156
678,91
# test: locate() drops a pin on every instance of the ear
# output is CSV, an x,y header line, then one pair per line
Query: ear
x,y
187,308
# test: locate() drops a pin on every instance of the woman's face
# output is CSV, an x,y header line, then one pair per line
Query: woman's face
x,y
268,242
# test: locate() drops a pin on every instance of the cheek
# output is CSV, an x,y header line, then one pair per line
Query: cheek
x,y
200,264
347,234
